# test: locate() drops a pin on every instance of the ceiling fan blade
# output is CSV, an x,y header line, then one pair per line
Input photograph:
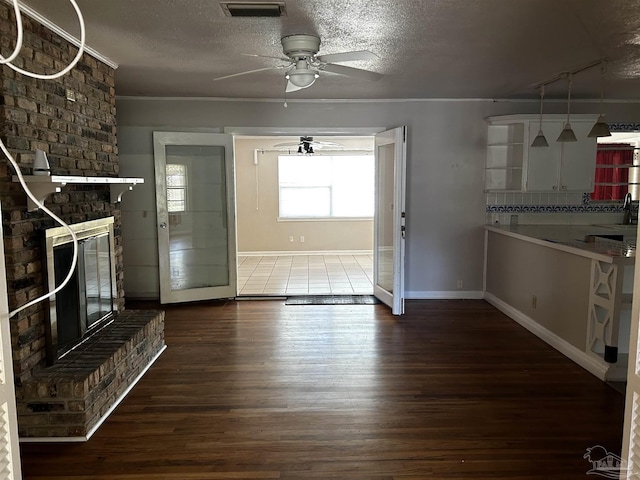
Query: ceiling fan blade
x,y
348,56
316,144
291,87
352,72
250,71
284,59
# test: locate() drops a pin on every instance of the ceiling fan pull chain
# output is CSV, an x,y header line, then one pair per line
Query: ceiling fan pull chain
x,y
285,93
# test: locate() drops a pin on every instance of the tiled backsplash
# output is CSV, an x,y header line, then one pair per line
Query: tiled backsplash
x,y
550,208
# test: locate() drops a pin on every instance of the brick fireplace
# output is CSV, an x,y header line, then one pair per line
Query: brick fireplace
x,y
69,398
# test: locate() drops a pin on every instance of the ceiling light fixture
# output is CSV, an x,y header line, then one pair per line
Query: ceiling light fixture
x,y
567,134
540,140
600,128
302,76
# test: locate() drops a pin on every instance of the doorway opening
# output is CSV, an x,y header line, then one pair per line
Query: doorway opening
x,y
304,210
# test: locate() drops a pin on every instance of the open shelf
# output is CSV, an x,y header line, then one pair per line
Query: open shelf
x,y
43,185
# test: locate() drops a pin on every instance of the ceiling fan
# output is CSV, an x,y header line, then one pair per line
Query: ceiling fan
x,y
304,64
307,144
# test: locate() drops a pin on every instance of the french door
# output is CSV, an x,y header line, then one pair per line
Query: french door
x,y
196,216
389,218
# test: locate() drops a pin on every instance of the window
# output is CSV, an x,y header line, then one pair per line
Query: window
x,y
617,169
176,175
326,186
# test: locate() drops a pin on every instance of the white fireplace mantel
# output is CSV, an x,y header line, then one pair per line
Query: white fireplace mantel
x,y
43,185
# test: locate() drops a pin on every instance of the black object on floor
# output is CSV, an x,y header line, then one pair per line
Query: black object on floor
x,y
332,300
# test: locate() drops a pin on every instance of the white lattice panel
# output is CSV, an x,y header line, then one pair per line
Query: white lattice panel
x,y
603,322
6,467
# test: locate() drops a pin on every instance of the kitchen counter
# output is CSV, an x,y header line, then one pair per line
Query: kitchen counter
x,y
580,240
568,286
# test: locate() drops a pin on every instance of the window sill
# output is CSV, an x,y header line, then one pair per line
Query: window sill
x,y
325,219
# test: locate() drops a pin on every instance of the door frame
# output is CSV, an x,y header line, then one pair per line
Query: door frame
x,y
292,131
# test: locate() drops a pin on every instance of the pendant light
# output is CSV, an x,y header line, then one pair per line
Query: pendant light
x,y
600,128
567,135
540,140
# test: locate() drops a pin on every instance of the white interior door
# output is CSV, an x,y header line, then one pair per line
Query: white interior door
x,y
389,218
196,216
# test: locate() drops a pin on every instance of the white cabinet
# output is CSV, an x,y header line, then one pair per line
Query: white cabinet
x,y
562,166
513,165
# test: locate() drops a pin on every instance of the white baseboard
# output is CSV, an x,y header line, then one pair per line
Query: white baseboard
x,y
586,361
102,419
313,252
444,295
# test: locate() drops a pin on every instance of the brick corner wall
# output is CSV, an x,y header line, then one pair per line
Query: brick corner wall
x,y
79,138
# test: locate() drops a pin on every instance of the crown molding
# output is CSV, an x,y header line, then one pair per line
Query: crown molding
x,y
34,15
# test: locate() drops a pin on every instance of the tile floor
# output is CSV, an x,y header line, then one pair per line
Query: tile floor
x,y
306,275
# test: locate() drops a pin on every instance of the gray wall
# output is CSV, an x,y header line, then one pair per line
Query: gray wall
x,y
445,177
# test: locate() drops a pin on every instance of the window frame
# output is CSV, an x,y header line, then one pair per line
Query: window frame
x,y
633,182
183,188
331,186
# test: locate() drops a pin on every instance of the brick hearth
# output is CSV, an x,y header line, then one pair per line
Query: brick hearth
x,y
69,398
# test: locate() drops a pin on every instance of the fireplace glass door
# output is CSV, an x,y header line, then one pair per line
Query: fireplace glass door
x,y
88,300
88,297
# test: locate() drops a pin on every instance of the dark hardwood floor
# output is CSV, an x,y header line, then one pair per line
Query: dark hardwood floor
x,y
260,390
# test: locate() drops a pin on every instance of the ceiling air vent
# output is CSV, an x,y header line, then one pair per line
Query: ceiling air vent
x,y
254,9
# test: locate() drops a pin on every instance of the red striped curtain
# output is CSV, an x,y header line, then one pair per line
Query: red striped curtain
x,y
608,155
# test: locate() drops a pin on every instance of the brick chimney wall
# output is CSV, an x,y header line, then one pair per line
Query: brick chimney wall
x,y
79,138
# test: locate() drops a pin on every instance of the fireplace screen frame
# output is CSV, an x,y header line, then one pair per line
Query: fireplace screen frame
x,y
58,237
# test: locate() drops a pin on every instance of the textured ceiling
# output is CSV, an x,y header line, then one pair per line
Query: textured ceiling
x,y
426,48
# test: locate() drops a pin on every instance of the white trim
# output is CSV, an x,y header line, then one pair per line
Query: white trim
x,y
370,100
102,419
295,131
34,15
271,253
589,363
444,295
324,219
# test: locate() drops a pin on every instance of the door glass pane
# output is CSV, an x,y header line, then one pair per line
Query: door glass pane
x,y
197,206
385,199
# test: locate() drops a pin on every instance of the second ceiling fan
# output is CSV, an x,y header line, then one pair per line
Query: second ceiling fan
x,y
303,64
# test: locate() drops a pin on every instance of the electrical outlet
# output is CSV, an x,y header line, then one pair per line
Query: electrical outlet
x,y
71,95
459,284
301,238
534,302
291,238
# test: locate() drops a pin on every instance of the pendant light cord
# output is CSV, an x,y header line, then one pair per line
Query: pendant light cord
x,y
541,105
569,98
603,72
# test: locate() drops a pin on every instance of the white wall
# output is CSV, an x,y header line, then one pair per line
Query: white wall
x,y
445,177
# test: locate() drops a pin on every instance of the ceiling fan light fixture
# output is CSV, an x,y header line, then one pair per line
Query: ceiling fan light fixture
x,y
302,78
